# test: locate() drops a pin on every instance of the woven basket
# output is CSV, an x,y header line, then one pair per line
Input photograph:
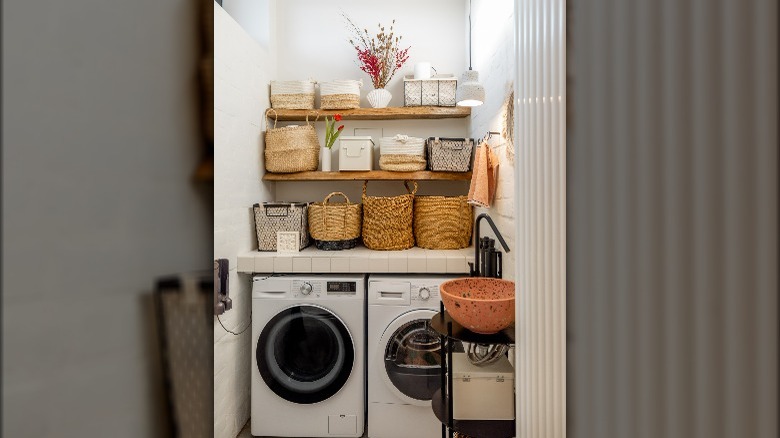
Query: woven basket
x,y
449,154
442,222
402,153
387,221
272,217
335,226
340,94
291,148
292,94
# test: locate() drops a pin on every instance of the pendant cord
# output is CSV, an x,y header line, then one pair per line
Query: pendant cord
x,y
469,34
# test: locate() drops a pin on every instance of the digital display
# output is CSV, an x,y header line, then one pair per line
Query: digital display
x,y
342,286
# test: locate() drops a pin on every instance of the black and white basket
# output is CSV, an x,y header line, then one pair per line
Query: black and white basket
x,y
449,154
438,90
272,217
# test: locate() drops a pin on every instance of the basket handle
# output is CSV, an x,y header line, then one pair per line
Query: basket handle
x,y
285,214
315,119
327,199
276,115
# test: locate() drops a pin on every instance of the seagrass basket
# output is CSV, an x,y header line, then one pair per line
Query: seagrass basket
x,y
442,222
402,153
387,221
335,225
291,149
292,94
340,94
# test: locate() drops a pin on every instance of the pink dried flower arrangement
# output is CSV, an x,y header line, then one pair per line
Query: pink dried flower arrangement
x,y
380,56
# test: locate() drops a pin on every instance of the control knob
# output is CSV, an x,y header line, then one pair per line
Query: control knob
x,y
425,294
306,288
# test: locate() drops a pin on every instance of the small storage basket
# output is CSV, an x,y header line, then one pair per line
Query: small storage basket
x,y
402,153
449,154
439,90
271,217
442,222
292,94
341,94
335,226
387,221
291,149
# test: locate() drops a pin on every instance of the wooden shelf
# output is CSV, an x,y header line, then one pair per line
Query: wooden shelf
x,y
394,113
372,175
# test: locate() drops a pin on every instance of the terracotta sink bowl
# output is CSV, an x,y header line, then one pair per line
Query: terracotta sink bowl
x,y
480,304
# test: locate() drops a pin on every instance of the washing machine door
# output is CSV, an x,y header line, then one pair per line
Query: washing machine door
x,y
411,354
305,354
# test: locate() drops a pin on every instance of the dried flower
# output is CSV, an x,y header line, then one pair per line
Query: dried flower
x,y
380,57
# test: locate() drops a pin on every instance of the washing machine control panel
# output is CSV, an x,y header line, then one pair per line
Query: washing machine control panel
x,y
424,293
309,289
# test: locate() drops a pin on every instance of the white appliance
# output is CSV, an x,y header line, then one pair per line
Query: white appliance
x,y
308,375
404,361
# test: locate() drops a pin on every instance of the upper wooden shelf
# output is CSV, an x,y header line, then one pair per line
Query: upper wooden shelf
x,y
374,175
394,113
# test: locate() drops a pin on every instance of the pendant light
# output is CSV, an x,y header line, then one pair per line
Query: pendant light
x,y
470,92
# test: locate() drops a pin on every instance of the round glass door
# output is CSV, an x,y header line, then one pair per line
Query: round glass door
x,y
412,359
305,354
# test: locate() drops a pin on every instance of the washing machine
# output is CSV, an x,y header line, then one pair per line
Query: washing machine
x,y
308,363
404,360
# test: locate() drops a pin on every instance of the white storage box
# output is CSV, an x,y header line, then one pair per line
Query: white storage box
x,y
482,393
356,152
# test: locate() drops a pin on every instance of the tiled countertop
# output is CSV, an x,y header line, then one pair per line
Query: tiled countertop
x,y
358,260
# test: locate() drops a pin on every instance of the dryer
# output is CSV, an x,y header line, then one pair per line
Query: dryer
x,y
308,365
404,360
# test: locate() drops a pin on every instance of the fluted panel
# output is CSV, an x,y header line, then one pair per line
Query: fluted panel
x,y
672,218
540,225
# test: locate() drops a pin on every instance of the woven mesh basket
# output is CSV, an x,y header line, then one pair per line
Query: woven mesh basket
x,y
333,225
449,154
387,221
442,222
292,94
291,149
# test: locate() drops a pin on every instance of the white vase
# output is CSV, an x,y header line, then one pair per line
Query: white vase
x,y
326,156
379,97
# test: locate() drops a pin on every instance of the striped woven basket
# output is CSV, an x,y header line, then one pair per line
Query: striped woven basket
x,y
292,94
335,225
340,94
292,149
402,153
387,221
442,222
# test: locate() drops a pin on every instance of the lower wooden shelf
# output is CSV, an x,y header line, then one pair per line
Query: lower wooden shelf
x,y
376,175
473,428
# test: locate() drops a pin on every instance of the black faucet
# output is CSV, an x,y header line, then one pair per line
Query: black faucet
x,y
475,271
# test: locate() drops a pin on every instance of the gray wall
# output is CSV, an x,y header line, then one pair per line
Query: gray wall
x,y
100,140
672,219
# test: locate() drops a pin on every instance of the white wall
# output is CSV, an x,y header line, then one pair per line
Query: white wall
x,y
100,139
242,71
312,42
494,57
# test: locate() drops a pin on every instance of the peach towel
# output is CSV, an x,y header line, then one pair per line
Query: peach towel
x,y
483,177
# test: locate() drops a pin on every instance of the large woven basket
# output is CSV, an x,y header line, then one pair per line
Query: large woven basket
x,y
340,94
442,222
387,221
292,94
402,153
291,149
335,226
272,217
